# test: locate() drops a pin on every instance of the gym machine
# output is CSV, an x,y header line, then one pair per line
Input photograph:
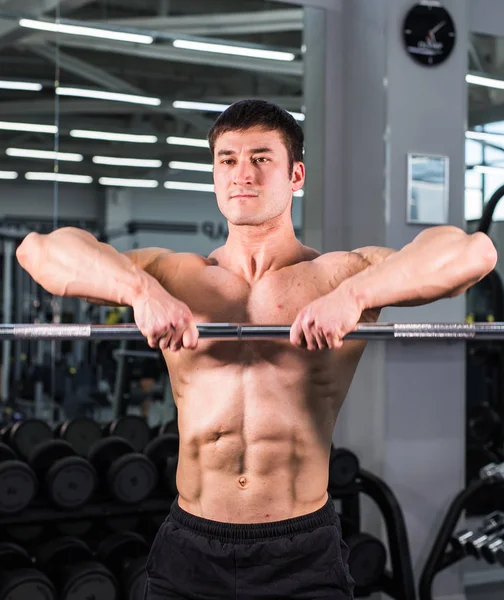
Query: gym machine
x,y
485,542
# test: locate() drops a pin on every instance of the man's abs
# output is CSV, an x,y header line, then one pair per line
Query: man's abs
x,y
255,433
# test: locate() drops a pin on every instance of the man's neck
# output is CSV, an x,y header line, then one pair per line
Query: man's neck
x,y
252,251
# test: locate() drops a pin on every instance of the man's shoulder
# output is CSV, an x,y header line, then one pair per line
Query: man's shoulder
x,y
187,259
366,255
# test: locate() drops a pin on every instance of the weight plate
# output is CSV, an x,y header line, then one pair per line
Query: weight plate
x,y
81,434
4,433
105,451
57,430
161,447
169,427
133,429
169,476
62,551
366,560
121,547
117,524
71,482
6,453
25,533
89,580
135,579
74,528
18,486
43,456
13,557
132,478
25,435
26,583
343,467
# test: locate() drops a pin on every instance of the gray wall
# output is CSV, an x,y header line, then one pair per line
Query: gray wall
x,y
36,199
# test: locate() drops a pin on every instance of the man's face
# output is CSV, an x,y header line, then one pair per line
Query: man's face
x,y
251,176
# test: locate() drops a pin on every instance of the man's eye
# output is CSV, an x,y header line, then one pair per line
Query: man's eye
x,y
260,159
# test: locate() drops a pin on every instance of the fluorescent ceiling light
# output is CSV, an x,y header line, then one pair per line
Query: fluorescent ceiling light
x,y
298,116
87,31
485,81
45,154
113,137
488,169
190,166
20,85
8,175
189,187
182,141
127,162
60,177
114,96
201,187
31,127
236,50
211,107
141,183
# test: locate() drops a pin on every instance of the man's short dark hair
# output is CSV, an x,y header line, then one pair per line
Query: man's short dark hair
x,y
245,114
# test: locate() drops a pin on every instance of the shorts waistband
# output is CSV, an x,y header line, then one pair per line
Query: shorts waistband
x,y
244,532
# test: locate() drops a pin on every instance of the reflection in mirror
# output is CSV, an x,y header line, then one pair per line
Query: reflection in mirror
x,y
428,189
484,152
136,87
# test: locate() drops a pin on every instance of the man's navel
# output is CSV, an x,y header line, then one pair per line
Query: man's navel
x,y
243,482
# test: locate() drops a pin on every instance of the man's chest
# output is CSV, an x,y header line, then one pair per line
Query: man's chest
x,y
217,295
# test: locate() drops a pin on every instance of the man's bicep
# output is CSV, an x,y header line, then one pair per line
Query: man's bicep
x,y
374,255
145,258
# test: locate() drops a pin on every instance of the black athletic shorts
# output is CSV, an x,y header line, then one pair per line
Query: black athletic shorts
x,y
198,559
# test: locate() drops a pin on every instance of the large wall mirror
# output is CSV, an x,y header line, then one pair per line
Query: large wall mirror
x,y
104,110
484,178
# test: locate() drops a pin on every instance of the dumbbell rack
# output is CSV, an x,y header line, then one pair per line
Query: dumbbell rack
x,y
441,555
41,515
399,582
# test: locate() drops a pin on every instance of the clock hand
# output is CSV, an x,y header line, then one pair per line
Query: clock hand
x,y
437,28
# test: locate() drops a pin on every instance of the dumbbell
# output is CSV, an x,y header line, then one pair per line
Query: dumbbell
x,y
128,475
492,470
18,483
18,577
23,436
493,550
125,554
69,480
69,563
132,428
366,559
163,452
80,433
343,467
469,542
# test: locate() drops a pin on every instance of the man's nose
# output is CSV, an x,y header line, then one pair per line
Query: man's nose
x,y
243,173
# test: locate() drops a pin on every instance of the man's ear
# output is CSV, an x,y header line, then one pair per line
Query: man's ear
x,y
298,176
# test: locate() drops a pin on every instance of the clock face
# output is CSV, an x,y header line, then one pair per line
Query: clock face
x,y
429,34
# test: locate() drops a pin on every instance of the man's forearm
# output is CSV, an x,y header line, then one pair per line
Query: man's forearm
x,y
71,262
440,262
